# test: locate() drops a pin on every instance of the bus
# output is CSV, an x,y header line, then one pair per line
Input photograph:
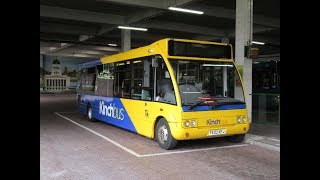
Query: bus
x,y
171,90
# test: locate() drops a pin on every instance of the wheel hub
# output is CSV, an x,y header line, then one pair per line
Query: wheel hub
x,y
89,113
163,134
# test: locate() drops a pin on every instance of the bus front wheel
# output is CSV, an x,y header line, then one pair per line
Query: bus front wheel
x,y
163,135
89,114
236,138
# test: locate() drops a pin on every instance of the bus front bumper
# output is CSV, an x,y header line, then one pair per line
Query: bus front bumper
x,y
181,133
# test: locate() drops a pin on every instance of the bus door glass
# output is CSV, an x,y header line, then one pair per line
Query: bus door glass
x,y
164,91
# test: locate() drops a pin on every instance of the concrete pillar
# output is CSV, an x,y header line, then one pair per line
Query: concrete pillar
x,y
125,40
41,77
243,37
225,72
225,81
41,60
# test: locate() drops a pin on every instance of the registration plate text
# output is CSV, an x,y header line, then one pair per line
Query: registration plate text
x,y
217,132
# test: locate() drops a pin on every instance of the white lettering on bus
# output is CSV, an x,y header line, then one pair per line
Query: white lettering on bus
x,y
111,110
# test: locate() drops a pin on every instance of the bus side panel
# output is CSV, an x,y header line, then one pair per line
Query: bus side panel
x,y
130,114
145,124
109,110
83,104
136,111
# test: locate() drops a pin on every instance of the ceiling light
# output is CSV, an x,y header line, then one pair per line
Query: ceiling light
x,y
132,28
256,42
185,10
112,45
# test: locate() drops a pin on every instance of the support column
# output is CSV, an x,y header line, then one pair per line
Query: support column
x,y
42,84
225,73
125,40
41,60
243,37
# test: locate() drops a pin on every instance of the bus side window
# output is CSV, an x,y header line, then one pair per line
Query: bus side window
x,y
88,79
105,80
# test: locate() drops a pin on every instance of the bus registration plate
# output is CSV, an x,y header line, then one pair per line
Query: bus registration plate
x,y
217,132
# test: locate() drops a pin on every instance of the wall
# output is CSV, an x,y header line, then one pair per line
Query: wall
x,y
69,67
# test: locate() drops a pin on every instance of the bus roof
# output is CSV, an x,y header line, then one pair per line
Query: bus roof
x,y
89,64
157,47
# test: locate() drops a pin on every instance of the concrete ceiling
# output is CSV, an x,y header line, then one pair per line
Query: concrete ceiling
x,y
84,28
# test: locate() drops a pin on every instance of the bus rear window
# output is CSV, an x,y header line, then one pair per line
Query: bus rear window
x,y
186,49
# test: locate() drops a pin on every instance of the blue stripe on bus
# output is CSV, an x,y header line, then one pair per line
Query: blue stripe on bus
x,y
220,107
109,110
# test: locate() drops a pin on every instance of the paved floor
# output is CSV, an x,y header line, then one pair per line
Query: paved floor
x,y
265,130
73,148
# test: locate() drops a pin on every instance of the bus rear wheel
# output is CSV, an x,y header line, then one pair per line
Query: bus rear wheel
x,y
163,135
89,114
236,138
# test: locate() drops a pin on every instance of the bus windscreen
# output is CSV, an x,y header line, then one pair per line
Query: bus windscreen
x,y
187,49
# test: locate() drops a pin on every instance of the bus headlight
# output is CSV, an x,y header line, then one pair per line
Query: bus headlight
x,y
186,123
244,119
193,123
238,119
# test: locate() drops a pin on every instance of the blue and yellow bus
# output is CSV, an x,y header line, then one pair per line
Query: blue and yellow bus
x,y
171,90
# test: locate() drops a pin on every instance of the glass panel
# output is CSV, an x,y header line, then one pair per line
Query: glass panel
x,y
164,91
142,79
267,77
266,108
207,83
122,79
188,49
105,80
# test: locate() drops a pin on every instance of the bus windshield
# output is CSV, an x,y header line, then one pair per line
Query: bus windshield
x,y
207,83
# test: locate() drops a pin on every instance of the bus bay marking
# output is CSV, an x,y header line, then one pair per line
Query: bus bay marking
x,y
146,155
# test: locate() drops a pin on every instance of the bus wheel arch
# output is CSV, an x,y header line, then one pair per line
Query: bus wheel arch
x,y
163,134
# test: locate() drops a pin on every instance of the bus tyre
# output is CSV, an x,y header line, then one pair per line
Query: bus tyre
x,y
236,138
163,135
89,114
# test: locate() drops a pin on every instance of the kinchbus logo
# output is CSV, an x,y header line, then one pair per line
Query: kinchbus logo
x,y
111,110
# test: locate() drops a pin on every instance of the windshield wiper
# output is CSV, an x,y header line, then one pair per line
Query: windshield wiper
x,y
214,105
201,102
234,102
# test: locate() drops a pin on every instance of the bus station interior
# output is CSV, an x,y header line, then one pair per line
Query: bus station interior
x,y
74,32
